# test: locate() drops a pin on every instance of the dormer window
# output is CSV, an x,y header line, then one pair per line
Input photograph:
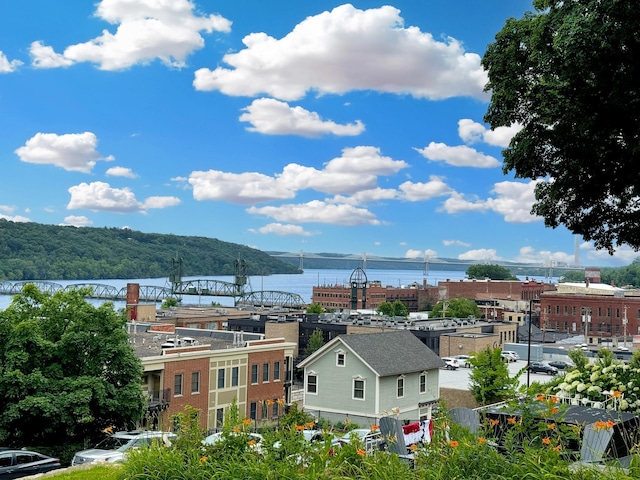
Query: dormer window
x,y
341,358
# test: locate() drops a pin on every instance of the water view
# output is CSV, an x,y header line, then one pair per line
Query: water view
x,y
300,284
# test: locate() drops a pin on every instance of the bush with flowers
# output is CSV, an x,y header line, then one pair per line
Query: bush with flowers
x,y
533,443
606,383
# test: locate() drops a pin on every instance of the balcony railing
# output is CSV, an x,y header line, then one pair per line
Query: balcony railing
x,y
158,399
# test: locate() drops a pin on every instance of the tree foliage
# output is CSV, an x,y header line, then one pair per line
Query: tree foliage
x,y
393,309
489,378
315,342
568,75
492,271
67,369
315,308
456,308
31,251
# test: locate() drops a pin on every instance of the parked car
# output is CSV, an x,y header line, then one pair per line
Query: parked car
x,y
510,356
370,439
23,463
464,360
114,447
310,436
560,364
255,439
450,363
539,367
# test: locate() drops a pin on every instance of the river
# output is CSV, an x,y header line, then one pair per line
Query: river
x,y
302,284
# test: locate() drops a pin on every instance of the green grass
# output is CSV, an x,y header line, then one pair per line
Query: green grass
x,y
97,472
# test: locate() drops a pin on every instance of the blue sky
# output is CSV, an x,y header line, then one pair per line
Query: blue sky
x,y
291,125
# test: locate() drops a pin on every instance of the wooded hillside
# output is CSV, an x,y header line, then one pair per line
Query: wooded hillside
x,y
31,251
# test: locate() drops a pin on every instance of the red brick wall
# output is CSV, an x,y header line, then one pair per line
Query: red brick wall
x,y
198,400
265,391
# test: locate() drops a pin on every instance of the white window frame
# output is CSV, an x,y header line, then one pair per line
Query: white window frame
x,y
306,383
341,355
401,378
422,386
364,388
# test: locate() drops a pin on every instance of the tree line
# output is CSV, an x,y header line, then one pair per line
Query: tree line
x,y
32,251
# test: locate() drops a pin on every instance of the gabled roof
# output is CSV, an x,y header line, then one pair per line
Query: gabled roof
x,y
386,353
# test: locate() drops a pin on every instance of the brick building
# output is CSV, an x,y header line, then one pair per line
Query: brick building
x,y
209,370
601,312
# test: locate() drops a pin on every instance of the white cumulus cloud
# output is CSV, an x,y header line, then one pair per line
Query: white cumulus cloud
x,y
481,254
513,200
472,132
77,221
120,172
282,230
531,255
317,211
273,117
72,151
145,31
412,253
417,191
458,156
356,170
6,65
348,49
457,243
100,196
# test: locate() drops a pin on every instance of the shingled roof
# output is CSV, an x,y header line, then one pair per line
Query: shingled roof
x,y
389,353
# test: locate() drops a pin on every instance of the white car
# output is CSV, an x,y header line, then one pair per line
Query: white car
x,y
508,357
255,438
450,363
370,439
114,447
463,360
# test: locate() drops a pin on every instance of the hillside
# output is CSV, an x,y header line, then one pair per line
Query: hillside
x,y
31,251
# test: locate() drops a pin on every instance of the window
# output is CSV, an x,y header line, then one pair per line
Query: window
x,y
219,417
312,383
234,376
253,410
275,407
358,388
265,372
195,382
423,382
340,359
221,378
177,385
276,371
400,385
254,373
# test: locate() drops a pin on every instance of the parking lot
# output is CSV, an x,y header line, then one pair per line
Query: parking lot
x,y
459,379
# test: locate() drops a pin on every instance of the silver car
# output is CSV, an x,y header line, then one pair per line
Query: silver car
x,y
114,447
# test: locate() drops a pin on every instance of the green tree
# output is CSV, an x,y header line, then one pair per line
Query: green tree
x,y
393,309
315,342
489,378
494,272
67,370
456,307
315,308
169,302
568,75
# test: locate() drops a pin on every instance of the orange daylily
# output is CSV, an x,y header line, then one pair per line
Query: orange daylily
x,y
540,397
551,426
453,443
557,448
511,420
493,422
246,421
375,428
481,440
361,452
616,394
299,428
546,441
